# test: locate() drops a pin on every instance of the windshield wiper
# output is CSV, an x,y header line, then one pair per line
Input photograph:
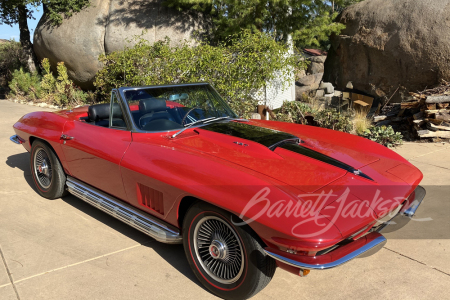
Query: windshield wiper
x,y
199,122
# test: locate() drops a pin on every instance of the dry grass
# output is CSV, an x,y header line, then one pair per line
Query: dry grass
x,y
360,122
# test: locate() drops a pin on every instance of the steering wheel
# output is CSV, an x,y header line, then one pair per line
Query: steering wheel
x,y
189,111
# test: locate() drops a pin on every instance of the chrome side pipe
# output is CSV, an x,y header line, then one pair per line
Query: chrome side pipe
x,y
124,212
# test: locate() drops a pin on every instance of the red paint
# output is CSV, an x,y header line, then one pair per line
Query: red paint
x,y
211,167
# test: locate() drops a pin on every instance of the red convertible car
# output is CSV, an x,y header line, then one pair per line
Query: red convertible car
x,y
243,196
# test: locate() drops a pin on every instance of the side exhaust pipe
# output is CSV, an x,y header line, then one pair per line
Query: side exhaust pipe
x,y
124,212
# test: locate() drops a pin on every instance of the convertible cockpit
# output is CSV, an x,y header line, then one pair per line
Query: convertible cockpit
x,y
159,109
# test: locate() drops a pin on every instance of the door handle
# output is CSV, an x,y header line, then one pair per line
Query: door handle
x,y
66,137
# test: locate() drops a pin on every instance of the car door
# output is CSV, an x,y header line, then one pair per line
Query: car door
x,y
93,153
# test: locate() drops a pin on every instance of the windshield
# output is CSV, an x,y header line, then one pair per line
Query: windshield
x,y
175,107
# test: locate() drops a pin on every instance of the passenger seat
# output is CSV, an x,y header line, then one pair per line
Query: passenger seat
x,y
99,115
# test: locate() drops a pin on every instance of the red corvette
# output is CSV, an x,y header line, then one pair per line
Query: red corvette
x,y
243,196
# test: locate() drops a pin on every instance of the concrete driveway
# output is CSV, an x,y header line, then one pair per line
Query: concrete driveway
x,y
66,249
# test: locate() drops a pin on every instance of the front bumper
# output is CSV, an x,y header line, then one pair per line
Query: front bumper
x,y
362,247
16,139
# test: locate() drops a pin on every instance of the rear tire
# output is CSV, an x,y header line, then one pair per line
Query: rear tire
x,y
226,259
47,172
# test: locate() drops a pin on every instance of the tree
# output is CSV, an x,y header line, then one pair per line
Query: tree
x,y
308,21
19,11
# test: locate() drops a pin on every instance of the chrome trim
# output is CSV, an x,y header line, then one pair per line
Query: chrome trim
x,y
123,212
405,215
224,265
15,139
373,245
128,113
419,195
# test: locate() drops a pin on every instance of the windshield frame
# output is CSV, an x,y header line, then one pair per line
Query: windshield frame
x,y
135,128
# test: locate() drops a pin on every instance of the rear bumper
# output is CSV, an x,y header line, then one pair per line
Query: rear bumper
x,y
364,246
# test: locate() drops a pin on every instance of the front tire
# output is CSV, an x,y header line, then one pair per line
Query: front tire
x,y
48,174
226,259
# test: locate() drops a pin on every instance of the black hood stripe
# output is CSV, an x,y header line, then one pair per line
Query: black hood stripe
x,y
273,139
261,135
323,158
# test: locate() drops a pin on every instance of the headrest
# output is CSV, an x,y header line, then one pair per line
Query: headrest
x,y
155,105
101,111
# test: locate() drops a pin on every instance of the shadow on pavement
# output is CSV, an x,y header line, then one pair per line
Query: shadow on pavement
x,y
173,254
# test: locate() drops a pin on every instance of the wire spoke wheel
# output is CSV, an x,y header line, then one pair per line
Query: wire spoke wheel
x,y
42,168
219,250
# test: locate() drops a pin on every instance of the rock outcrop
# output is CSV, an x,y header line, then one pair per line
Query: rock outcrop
x,y
389,44
107,26
309,80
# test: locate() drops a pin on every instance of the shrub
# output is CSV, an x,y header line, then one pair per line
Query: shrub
x,y
61,90
360,122
384,135
332,119
237,69
294,112
24,84
12,57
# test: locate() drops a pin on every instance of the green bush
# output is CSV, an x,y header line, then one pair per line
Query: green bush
x,y
24,84
60,90
294,112
384,135
332,119
237,69
12,57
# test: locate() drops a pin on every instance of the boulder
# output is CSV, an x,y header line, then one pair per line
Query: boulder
x,y
318,59
107,26
310,80
389,44
315,68
306,80
300,73
300,90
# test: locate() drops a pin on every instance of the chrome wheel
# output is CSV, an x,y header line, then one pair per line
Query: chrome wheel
x,y
219,250
42,168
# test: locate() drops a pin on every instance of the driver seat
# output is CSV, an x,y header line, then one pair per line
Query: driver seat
x,y
152,109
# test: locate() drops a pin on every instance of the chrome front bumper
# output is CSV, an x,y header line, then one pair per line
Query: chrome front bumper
x,y
16,139
365,246
367,249
405,215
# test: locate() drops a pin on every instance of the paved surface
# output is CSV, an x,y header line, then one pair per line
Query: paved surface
x,y
65,249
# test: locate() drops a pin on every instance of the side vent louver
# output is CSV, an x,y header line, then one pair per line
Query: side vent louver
x,y
150,198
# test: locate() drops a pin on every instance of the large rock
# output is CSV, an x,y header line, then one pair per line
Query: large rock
x,y
391,43
318,59
310,80
107,26
315,68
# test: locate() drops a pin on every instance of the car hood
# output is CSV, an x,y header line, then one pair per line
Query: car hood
x,y
319,161
373,179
